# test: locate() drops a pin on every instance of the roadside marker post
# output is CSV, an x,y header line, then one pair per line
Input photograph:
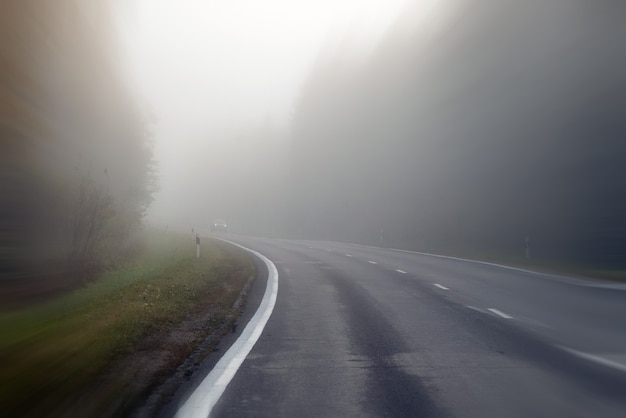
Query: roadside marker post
x,y
197,246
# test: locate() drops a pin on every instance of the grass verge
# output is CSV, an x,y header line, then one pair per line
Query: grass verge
x,y
99,350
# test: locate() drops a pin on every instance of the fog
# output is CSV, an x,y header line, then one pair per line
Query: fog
x,y
494,124
459,126
441,125
491,130
221,80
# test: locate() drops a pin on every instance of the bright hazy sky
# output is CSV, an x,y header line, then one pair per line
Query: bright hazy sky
x,y
205,65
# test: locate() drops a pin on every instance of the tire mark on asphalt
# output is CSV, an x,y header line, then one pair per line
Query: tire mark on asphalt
x,y
391,391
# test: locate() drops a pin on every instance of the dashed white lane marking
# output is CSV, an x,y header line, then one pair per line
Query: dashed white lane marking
x,y
596,359
499,313
401,271
372,262
204,398
440,286
330,251
348,255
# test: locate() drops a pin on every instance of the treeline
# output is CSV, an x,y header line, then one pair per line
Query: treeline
x,y
473,129
76,170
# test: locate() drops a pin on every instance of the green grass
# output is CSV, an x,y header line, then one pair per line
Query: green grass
x,y
58,356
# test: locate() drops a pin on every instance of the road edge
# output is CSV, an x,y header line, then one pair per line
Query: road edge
x,y
208,393
561,278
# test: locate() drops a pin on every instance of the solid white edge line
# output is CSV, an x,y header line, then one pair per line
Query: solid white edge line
x,y
475,308
596,359
206,395
440,286
476,261
500,313
401,271
556,277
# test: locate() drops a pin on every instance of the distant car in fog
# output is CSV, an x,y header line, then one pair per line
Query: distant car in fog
x,y
219,225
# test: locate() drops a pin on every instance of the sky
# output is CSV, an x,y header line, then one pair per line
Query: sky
x,y
203,67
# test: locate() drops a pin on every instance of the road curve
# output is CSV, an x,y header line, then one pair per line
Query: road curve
x,y
361,331
202,400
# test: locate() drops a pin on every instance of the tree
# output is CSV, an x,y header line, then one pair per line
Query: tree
x,y
76,168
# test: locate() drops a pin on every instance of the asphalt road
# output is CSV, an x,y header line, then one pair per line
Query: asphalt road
x,y
361,331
